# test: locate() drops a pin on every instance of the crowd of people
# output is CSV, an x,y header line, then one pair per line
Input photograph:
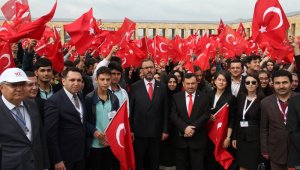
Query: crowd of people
x,y
53,120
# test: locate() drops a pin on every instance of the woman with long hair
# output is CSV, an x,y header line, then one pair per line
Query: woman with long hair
x,y
246,135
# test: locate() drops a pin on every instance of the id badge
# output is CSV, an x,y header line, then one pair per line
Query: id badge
x,y
244,123
111,114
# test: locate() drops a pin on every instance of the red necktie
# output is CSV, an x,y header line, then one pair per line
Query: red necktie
x,y
150,91
190,105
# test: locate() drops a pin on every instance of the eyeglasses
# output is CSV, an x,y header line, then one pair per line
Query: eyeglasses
x,y
250,82
15,85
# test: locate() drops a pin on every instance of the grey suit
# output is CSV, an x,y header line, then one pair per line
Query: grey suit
x,y
18,152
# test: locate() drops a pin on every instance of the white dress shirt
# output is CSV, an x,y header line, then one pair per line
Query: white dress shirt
x,y
187,99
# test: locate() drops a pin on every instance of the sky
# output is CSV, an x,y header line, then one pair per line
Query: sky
x,y
171,10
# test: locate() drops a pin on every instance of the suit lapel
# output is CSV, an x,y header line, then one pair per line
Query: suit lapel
x,y
155,91
10,118
183,105
71,105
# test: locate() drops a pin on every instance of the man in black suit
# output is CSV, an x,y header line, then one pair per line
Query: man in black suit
x,y
21,135
65,121
148,117
189,114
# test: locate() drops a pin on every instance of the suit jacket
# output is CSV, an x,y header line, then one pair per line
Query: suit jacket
x,y
273,133
18,152
199,117
293,127
65,132
148,118
250,133
228,98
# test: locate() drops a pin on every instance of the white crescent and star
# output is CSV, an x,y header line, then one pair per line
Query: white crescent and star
x,y
227,38
277,11
124,61
8,58
160,47
208,45
120,127
3,28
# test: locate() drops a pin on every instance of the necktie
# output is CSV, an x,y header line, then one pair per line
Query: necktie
x,y
21,119
150,90
190,106
76,101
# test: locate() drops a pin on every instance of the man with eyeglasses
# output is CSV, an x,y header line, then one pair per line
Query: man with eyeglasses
x,y
148,117
31,92
21,134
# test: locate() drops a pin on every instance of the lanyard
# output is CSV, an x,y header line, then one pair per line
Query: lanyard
x,y
284,113
21,120
247,108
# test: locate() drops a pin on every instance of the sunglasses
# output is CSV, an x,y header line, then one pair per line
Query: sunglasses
x,y
250,82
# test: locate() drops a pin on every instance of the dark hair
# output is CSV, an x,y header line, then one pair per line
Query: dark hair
x,y
170,76
73,69
146,60
89,62
116,59
263,72
227,78
197,68
282,73
236,61
189,75
69,64
177,71
42,62
30,74
103,70
115,66
259,91
252,57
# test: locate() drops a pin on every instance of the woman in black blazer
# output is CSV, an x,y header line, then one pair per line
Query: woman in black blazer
x,y
246,134
220,96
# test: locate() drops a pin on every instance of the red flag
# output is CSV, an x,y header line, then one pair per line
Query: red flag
x,y
8,9
125,32
6,30
217,131
6,58
22,15
270,23
233,41
203,61
118,135
241,30
55,54
33,30
252,47
131,55
82,31
221,27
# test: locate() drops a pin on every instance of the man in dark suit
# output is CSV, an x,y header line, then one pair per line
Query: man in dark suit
x,y
237,80
21,134
293,124
148,117
273,133
65,121
190,113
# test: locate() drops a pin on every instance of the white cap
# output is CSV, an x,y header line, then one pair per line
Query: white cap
x,y
13,75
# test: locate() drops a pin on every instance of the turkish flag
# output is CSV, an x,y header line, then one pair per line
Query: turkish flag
x,y
270,23
33,30
188,65
46,40
221,27
6,30
232,41
55,54
22,15
217,131
125,32
241,30
203,61
118,135
131,55
82,31
8,9
252,47
162,49
6,58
